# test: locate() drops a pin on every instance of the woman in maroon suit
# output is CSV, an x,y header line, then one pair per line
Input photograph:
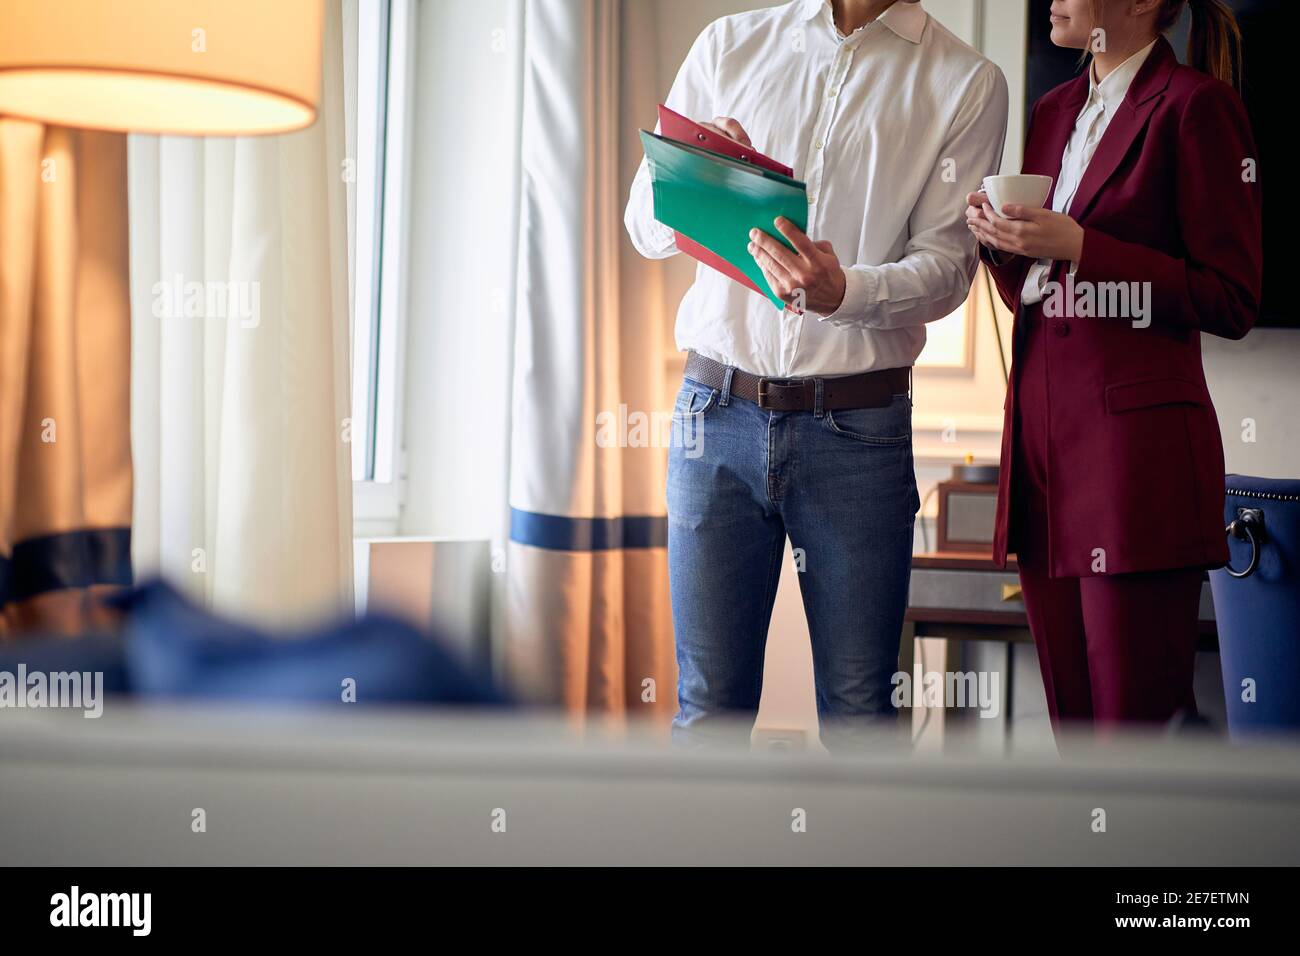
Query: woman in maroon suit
x,y
1112,488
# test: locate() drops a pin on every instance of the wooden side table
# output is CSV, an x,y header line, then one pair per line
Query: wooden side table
x,y
961,596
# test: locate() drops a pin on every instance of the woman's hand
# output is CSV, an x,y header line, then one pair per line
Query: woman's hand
x,y
810,279
975,204
1025,231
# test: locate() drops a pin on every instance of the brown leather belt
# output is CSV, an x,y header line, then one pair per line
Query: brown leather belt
x,y
864,390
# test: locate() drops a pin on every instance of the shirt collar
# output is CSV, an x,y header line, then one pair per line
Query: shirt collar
x,y
1112,90
905,19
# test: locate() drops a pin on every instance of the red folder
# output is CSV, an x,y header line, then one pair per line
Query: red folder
x,y
678,127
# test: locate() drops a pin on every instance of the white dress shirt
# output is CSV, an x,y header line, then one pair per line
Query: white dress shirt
x,y
1104,99
890,128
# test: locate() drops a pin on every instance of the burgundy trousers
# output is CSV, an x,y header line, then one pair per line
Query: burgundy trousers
x,y
1113,649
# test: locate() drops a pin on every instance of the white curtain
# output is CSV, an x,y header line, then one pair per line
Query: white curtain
x,y
587,607
239,407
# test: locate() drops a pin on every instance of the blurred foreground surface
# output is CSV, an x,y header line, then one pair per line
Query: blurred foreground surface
x,y
428,787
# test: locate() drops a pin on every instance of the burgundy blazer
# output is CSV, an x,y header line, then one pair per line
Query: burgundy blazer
x,y
1135,459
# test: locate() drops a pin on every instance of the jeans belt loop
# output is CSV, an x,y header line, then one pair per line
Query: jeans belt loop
x,y
818,391
725,400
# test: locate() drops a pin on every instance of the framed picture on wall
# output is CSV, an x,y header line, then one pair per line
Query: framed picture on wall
x,y
950,342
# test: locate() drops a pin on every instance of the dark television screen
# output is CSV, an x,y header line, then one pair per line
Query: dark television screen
x,y
1263,30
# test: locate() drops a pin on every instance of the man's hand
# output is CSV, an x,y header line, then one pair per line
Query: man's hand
x,y
1026,230
728,128
810,279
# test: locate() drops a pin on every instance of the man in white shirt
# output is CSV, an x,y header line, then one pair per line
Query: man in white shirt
x,y
805,415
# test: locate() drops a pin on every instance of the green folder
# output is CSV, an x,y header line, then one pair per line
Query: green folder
x,y
715,201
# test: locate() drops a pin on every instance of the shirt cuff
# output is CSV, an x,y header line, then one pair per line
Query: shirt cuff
x,y
858,286
662,236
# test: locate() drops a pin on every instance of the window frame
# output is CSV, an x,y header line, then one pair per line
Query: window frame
x,y
377,499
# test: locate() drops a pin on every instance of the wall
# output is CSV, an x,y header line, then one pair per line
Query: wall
x,y
1258,378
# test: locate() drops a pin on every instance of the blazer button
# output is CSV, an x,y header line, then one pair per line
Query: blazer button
x,y
1062,329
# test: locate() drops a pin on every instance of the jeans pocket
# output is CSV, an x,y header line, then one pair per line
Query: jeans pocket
x,y
694,400
693,403
888,425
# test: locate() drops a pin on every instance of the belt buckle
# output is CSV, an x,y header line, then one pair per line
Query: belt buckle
x,y
764,385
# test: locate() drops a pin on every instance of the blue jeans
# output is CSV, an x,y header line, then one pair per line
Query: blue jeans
x,y
841,485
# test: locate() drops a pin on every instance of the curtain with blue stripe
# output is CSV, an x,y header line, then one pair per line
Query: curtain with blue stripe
x,y
588,623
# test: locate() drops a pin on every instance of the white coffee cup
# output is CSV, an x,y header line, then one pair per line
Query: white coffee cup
x,y
1024,189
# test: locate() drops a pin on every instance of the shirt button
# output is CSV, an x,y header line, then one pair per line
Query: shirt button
x,y
811,200
1062,329
820,144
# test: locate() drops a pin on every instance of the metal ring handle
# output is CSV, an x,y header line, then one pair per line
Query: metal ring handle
x,y
1243,528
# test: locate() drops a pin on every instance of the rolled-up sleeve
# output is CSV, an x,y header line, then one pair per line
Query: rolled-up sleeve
x,y
691,96
933,276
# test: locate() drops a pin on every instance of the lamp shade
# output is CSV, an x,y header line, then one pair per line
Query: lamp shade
x,y
219,67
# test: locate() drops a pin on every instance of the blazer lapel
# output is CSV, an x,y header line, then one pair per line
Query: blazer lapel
x,y
1044,152
1129,120
1044,149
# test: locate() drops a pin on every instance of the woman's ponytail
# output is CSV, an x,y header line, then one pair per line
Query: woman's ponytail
x,y
1214,45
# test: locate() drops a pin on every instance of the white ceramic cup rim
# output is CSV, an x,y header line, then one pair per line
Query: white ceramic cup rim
x,y
1006,177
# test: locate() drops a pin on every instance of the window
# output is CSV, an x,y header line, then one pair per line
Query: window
x,y
382,86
